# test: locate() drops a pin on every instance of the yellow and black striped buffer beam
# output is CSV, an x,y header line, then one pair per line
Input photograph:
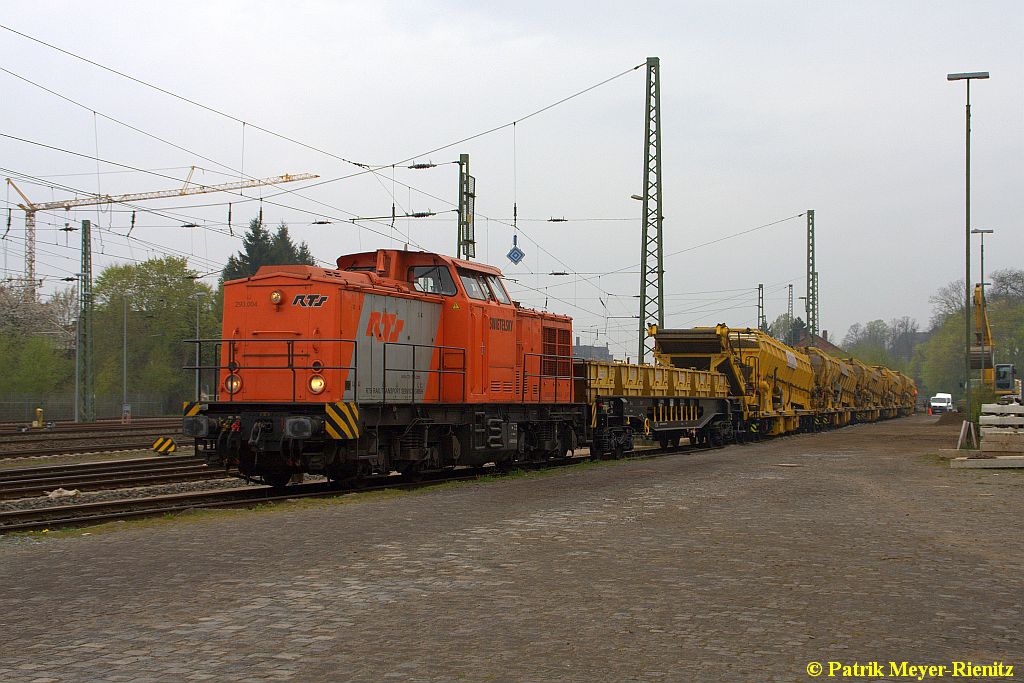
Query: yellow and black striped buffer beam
x,y
190,408
165,445
342,420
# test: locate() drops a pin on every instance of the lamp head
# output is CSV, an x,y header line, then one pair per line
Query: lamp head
x,y
967,76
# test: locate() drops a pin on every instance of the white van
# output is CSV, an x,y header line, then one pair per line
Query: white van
x,y
940,403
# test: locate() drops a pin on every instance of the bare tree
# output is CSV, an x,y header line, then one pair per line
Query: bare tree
x,y
947,301
853,336
902,337
1007,283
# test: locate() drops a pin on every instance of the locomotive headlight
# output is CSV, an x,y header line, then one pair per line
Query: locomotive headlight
x,y
233,383
276,297
317,384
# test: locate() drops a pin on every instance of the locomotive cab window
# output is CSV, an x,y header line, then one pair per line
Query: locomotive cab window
x,y
497,289
475,288
432,280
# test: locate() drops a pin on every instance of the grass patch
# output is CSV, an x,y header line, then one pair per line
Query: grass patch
x,y
935,459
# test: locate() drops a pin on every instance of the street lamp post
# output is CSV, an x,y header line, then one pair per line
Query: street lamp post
x,y
982,232
124,352
198,378
969,76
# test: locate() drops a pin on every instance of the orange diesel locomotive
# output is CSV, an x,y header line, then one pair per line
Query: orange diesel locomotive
x,y
395,361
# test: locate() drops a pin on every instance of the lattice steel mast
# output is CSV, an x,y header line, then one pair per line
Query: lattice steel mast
x,y
812,280
789,316
85,377
762,322
466,247
652,271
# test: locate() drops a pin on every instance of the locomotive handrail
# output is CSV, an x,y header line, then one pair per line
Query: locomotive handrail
x,y
541,376
233,365
415,372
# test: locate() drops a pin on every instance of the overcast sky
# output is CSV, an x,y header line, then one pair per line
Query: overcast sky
x,y
769,109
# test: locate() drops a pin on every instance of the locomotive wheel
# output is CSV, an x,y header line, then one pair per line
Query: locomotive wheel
x,y
277,478
505,466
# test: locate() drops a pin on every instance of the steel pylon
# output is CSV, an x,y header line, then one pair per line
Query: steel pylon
x,y
652,270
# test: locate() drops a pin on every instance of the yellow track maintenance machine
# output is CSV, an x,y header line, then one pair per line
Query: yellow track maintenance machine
x,y
906,398
869,391
769,382
1000,378
835,385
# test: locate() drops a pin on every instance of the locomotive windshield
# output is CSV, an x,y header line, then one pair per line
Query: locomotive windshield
x,y
432,280
499,291
475,289
483,287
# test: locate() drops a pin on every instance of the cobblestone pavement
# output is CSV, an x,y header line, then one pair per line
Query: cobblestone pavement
x,y
717,566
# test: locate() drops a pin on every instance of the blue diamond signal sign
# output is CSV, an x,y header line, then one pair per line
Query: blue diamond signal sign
x,y
515,255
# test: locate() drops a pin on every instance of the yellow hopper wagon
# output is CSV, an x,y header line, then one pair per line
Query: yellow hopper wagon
x,y
868,401
770,383
834,388
906,400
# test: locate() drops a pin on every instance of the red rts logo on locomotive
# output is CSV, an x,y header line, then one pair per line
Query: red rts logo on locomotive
x,y
309,300
384,326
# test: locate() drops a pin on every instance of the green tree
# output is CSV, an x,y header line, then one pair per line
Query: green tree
x,y
32,364
158,300
260,247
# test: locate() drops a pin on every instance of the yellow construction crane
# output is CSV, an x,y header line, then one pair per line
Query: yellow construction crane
x,y
983,350
30,208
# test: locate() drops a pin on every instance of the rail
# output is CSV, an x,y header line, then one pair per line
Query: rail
x,y
236,352
415,372
225,357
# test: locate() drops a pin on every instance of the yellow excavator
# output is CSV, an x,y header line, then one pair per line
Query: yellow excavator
x,y
1002,377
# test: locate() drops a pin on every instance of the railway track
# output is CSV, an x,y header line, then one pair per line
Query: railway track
x,y
78,450
85,514
52,437
63,427
35,481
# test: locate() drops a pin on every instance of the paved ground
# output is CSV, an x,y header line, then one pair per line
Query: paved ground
x,y
719,566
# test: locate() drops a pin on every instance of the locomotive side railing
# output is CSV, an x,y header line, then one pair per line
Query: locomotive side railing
x,y
237,361
441,372
551,369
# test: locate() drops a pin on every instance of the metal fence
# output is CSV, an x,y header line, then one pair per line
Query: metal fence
x,y
21,407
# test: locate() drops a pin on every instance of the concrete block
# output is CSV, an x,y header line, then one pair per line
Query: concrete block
x,y
1002,447
999,463
1004,436
996,409
1001,431
1002,420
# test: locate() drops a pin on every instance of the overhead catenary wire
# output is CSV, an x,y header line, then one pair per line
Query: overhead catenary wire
x,y
369,168
364,166
180,180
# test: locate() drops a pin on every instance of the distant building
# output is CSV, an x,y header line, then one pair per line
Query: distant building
x,y
591,352
819,342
